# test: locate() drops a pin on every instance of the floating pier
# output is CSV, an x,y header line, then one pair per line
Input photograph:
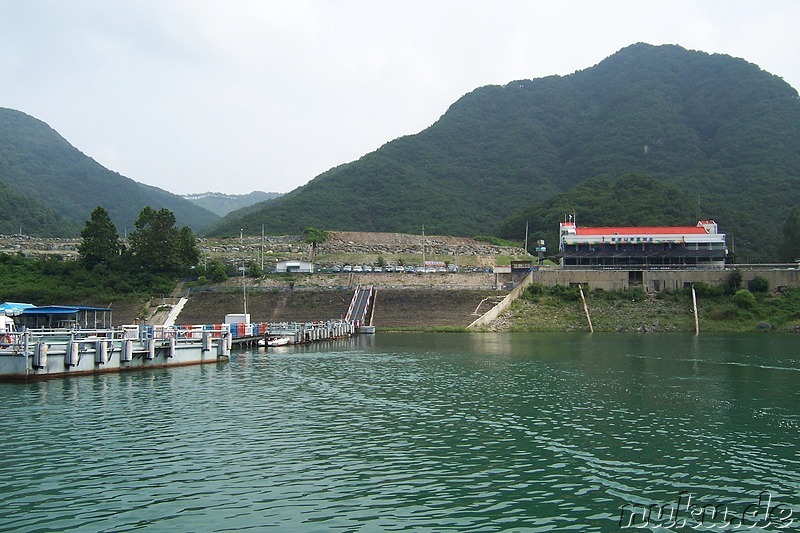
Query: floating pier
x,y
47,353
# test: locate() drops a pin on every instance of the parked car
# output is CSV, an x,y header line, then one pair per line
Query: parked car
x,y
377,269
337,269
358,268
398,268
367,268
347,268
409,269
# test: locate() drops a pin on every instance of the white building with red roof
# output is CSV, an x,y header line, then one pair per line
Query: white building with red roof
x,y
700,246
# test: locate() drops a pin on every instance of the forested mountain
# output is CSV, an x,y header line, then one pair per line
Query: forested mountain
x,y
632,200
717,128
40,168
24,214
222,204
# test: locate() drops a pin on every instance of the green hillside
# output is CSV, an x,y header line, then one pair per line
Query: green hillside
x,y
24,214
719,129
42,169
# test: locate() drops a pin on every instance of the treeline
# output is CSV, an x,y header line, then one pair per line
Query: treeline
x,y
157,254
53,281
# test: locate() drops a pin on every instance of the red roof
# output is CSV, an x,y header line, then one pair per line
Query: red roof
x,y
643,230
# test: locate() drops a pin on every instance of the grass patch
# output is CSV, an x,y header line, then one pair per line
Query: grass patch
x,y
559,309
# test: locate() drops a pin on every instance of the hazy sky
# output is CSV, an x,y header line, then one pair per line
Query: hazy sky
x,y
242,95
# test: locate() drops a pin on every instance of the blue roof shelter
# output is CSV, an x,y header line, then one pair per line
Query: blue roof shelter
x,y
14,308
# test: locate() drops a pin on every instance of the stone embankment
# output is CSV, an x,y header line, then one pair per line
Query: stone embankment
x,y
339,242
34,246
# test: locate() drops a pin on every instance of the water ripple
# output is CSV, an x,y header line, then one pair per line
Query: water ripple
x,y
390,436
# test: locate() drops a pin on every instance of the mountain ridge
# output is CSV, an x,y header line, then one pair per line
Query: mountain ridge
x,y
221,204
43,168
719,128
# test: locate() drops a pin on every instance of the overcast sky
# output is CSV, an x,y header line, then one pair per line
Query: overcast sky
x,y
236,95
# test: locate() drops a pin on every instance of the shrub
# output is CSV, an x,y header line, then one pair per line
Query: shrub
x,y
758,284
218,275
734,281
744,299
706,290
569,294
534,291
637,293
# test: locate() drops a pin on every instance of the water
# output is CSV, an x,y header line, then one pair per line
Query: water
x,y
444,432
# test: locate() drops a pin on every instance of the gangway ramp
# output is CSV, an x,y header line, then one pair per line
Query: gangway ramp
x,y
360,311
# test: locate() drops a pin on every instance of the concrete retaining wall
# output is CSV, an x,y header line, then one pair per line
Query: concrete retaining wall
x,y
657,280
505,303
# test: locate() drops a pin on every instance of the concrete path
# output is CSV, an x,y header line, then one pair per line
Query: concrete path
x,y
176,310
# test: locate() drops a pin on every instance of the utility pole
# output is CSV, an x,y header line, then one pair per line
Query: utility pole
x,y
526,237
423,246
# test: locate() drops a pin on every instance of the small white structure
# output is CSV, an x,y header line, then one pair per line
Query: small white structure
x,y
237,318
303,267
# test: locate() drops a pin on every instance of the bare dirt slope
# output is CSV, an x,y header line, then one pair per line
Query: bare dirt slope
x,y
395,308
408,308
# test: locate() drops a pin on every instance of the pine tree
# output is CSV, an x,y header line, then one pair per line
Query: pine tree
x,y
100,239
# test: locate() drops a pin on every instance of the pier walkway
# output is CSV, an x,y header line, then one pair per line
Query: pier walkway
x,y
361,307
357,320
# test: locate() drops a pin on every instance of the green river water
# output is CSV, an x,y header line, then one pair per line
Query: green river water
x,y
427,432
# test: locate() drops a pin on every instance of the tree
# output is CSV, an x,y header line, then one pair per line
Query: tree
x,y
188,252
790,246
100,239
758,284
253,269
159,246
314,237
218,274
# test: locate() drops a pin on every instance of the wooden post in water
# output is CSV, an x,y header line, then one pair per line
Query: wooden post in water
x,y
696,320
586,309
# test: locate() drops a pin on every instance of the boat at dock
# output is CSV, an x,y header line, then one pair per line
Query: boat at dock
x,y
273,342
